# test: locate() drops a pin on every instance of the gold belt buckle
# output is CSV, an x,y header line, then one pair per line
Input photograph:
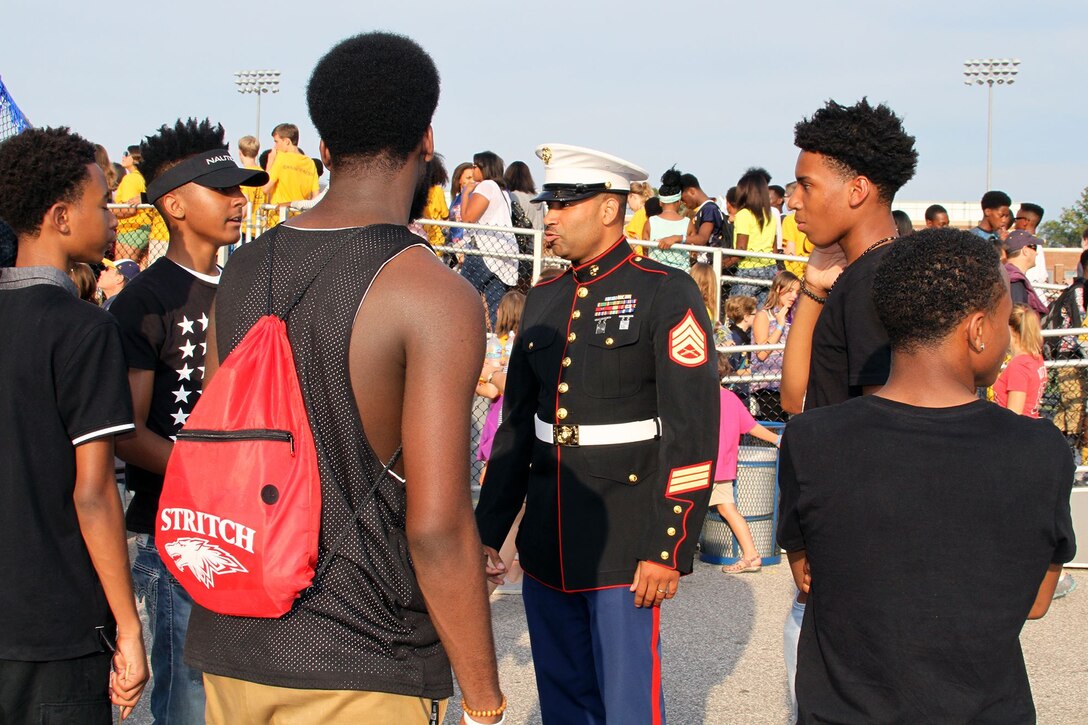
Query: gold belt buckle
x,y
565,435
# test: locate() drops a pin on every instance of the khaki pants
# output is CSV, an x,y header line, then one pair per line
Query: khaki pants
x,y
237,702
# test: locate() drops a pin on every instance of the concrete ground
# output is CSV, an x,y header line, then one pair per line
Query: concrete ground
x,y
722,651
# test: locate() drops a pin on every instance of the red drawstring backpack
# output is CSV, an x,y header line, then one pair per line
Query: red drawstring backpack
x,y
240,512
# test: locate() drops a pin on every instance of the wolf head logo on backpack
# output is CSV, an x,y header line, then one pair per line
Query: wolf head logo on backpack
x,y
203,559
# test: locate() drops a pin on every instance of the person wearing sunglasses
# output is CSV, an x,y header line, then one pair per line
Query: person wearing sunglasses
x,y
1021,249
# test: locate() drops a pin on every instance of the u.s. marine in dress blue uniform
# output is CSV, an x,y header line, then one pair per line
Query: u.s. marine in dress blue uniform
x,y
609,433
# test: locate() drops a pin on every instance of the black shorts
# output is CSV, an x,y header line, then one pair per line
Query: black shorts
x,y
64,691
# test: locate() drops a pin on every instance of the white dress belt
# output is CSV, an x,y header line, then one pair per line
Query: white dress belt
x,y
597,435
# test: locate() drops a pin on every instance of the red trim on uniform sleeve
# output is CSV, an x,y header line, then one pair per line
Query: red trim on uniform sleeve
x,y
685,479
687,343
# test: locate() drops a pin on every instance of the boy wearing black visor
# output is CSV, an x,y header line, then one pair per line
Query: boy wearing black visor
x,y
195,185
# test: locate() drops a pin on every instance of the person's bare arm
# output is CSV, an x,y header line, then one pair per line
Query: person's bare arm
x,y
742,241
102,525
474,207
701,236
824,267
211,352
271,185
420,378
765,435
762,334
799,568
1016,401
1046,592
143,447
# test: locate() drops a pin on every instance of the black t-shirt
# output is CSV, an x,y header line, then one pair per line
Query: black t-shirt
x,y
849,344
928,532
163,314
62,384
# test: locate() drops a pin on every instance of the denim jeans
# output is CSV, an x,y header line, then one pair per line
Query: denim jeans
x,y
177,691
751,290
791,633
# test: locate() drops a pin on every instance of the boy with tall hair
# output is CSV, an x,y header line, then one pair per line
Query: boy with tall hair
x,y
852,162
67,595
895,632
164,312
404,595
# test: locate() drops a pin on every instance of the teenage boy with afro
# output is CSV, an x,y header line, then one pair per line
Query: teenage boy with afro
x,y
67,596
404,596
195,186
852,162
900,508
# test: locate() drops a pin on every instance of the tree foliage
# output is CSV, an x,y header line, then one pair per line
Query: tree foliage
x,y
1066,230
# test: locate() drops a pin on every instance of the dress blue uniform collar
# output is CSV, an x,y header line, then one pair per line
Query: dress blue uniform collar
x,y
603,264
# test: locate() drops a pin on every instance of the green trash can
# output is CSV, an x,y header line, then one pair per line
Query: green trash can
x,y
756,491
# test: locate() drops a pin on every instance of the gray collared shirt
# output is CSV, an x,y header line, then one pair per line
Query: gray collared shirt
x,y
20,277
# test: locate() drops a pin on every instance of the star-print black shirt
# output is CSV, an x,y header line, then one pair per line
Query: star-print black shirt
x,y
163,314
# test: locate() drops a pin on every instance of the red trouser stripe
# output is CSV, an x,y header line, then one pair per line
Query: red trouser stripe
x,y
655,678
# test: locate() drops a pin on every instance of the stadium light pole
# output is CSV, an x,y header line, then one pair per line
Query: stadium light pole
x,y
257,82
990,72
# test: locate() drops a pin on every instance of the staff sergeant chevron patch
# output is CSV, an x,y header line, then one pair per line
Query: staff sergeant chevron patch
x,y
687,343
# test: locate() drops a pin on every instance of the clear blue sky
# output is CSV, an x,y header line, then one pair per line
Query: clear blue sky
x,y
713,87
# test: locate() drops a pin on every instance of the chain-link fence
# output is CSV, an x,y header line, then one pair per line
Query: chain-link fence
x,y
12,119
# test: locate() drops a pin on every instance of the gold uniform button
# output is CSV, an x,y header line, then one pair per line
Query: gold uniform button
x,y
633,478
566,362
664,556
671,531
561,414
576,314
608,341
530,346
582,292
571,337
563,387
677,510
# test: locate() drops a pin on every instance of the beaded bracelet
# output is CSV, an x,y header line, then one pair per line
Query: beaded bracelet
x,y
811,295
484,713
469,721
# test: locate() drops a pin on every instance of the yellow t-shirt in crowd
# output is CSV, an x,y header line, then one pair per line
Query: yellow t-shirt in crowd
x,y
160,236
633,229
436,208
759,240
295,176
256,198
802,247
130,188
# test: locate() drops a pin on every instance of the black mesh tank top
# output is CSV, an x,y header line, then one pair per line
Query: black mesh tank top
x,y
364,625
